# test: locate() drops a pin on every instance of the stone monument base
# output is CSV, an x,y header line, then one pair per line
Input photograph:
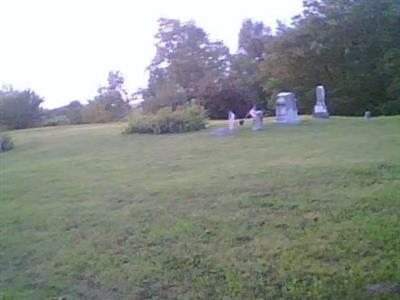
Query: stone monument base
x,y
321,115
288,121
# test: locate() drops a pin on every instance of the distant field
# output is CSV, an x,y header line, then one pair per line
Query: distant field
x,y
302,212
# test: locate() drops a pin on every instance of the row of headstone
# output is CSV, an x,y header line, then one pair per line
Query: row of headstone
x,y
320,109
286,107
256,115
286,110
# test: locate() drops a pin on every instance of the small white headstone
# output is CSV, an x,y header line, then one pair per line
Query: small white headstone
x,y
231,120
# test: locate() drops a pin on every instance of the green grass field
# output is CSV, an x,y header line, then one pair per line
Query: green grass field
x,y
303,212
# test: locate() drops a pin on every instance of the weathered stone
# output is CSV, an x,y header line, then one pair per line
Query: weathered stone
x,y
231,120
320,109
286,109
258,119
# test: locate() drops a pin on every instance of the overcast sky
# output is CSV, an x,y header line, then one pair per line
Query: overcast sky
x,y
63,49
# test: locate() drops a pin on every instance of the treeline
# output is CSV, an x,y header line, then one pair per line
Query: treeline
x,y
352,47
21,109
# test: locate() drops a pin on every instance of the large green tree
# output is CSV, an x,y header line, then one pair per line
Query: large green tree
x,y
186,62
253,38
19,109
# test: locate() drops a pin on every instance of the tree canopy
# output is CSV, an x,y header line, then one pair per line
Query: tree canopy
x,y
110,104
350,47
19,109
185,64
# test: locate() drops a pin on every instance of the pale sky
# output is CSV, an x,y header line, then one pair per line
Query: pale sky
x,y
64,49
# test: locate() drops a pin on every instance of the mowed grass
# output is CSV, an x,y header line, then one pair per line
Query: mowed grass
x,y
293,212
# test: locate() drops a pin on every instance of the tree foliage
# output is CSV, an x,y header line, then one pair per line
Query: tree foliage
x,y
110,104
186,64
183,118
351,47
19,109
64,115
253,37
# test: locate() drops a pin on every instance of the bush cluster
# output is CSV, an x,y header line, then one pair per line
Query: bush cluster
x,y
6,142
183,118
56,121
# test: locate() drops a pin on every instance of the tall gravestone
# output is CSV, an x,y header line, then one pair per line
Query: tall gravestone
x,y
320,109
286,109
231,120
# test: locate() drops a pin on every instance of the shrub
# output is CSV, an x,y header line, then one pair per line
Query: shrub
x,y
6,143
184,118
57,121
103,110
391,108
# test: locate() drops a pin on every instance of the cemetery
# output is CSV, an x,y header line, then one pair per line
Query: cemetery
x,y
286,112
293,211
257,159
169,204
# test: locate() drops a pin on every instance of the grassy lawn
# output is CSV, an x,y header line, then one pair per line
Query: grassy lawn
x,y
304,212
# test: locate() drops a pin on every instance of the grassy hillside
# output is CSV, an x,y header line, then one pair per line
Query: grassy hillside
x,y
304,212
